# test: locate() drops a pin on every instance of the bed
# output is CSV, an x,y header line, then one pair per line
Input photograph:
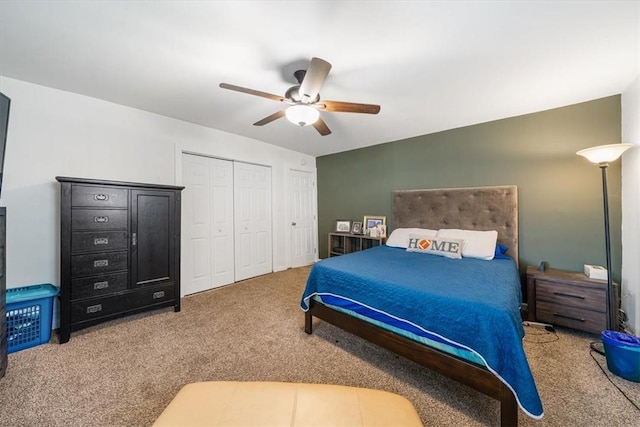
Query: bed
x,y
475,335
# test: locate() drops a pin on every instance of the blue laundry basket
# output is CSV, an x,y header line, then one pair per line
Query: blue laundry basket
x,y
623,354
29,316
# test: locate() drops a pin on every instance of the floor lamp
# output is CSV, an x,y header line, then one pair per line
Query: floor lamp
x,y
602,155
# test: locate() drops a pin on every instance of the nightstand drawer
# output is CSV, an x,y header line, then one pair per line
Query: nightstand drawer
x,y
571,317
571,295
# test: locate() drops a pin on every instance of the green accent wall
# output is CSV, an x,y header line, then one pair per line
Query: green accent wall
x,y
560,194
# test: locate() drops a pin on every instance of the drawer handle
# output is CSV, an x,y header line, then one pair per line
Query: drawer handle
x,y
101,197
159,294
101,285
568,295
569,317
94,308
101,241
101,219
101,263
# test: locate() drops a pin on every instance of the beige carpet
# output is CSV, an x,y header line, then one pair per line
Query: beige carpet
x,y
125,372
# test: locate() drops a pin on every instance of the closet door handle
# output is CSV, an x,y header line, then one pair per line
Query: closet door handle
x,y
134,239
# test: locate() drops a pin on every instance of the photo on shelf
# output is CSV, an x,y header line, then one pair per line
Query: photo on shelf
x,y
356,227
371,222
343,226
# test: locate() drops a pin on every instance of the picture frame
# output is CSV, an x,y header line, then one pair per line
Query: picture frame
x,y
382,230
372,221
343,226
356,227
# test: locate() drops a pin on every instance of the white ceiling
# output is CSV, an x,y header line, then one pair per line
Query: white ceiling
x,y
431,65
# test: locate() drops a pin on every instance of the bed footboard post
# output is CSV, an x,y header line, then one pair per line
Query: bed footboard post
x,y
508,408
308,321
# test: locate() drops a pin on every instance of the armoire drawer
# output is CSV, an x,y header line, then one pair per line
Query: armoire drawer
x,y
98,219
95,286
121,303
108,197
100,263
99,241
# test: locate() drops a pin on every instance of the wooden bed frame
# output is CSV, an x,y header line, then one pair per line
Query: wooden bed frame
x,y
479,208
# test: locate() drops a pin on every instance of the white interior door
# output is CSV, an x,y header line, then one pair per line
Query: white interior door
x,y
252,217
208,223
303,243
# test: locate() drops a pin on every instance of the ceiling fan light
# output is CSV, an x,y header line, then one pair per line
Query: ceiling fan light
x,y
302,115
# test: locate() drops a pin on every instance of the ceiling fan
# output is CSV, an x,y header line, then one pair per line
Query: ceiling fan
x,y
304,99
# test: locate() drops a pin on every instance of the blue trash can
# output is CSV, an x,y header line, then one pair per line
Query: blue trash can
x,y
623,354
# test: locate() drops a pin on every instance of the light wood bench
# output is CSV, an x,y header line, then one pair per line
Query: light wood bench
x,y
222,403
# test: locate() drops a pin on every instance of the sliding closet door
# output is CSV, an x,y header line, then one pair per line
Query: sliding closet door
x,y
252,202
208,219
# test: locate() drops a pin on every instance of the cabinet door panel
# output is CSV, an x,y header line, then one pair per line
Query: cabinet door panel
x,y
153,243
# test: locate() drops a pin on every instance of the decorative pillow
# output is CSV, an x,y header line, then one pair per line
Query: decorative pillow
x,y
447,247
399,238
501,251
477,244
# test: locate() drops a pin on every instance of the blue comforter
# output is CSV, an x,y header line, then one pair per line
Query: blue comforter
x,y
469,302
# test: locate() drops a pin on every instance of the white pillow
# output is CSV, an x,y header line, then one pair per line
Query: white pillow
x,y
443,246
477,244
399,238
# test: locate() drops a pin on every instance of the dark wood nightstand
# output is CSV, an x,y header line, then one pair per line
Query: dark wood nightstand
x,y
568,298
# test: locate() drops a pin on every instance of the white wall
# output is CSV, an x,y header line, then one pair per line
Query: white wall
x,y
631,205
56,133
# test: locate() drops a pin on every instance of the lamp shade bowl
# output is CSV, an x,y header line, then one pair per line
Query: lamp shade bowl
x,y
603,154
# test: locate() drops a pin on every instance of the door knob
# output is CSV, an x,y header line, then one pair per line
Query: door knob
x,y
293,224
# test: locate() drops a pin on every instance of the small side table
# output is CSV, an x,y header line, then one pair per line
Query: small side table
x,y
568,298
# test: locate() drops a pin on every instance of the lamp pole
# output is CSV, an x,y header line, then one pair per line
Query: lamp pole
x,y
612,312
601,156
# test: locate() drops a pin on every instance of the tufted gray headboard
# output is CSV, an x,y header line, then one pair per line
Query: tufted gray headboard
x,y
471,208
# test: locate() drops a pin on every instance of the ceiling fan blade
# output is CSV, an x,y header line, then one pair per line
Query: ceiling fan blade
x,y
313,80
348,107
270,118
321,127
252,92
